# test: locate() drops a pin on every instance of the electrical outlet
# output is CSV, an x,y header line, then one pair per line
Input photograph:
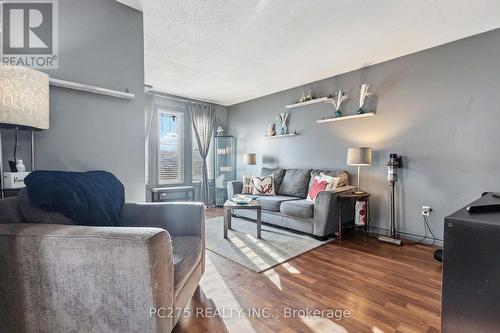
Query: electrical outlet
x,y
426,210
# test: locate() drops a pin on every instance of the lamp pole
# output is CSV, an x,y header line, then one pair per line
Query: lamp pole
x,y
359,171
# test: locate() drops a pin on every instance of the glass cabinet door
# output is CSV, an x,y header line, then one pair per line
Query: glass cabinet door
x,y
225,166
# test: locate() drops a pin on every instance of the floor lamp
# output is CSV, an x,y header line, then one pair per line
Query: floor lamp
x,y
24,105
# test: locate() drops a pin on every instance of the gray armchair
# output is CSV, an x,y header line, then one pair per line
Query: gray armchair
x,y
135,278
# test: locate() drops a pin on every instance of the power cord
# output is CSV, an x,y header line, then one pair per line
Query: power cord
x,y
426,226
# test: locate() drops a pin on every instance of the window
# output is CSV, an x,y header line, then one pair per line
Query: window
x,y
197,162
174,148
170,147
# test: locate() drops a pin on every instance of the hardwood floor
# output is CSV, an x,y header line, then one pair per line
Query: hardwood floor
x,y
384,288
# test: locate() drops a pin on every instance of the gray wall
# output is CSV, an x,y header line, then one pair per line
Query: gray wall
x,y
439,108
101,44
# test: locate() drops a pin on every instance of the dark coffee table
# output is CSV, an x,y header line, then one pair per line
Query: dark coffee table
x,y
230,206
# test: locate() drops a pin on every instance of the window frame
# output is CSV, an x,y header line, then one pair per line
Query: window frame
x,y
159,105
182,164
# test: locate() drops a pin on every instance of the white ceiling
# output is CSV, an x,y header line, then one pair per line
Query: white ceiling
x,y
230,51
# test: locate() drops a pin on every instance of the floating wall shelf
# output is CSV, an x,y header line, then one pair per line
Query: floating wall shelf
x,y
312,101
356,116
280,136
90,89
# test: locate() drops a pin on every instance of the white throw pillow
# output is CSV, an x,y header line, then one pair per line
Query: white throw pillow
x,y
333,182
263,185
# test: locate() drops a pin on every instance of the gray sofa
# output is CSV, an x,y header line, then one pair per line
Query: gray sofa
x,y
290,209
66,278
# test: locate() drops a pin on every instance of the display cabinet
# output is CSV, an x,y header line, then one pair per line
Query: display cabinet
x,y
225,166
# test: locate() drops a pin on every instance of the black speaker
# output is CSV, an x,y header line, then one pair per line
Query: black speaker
x,y
471,271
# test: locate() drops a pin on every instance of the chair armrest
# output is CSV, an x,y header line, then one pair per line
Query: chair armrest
x,y
326,212
234,187
59,278
178,218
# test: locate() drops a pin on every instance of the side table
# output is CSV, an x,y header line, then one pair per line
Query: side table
x,y
350,195
161,193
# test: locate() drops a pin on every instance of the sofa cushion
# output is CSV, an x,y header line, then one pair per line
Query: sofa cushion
x,y
187,254
273,203
296,183
298,208
33,214
342,174
278,175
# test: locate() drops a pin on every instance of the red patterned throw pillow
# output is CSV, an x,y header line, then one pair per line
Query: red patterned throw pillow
x,y
317,186
263,185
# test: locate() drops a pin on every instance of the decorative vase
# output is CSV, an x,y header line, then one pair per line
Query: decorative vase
x,y
309,95
303,97
284,130
279,129
361,111
338,114
20,166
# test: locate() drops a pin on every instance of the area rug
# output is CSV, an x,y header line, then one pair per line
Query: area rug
x,y
242,246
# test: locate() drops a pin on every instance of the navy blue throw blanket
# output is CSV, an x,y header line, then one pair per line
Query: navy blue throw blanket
x,y
93,198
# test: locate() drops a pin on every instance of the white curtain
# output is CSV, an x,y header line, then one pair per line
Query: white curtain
x,y
203,120
149,111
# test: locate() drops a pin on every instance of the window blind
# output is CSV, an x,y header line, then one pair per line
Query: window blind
x,y
170,147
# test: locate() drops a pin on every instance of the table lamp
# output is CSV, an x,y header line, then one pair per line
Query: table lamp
x,y
24,103
361,156
250,159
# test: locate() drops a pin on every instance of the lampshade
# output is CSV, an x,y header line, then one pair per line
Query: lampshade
x,y
24,98
359,156
250,159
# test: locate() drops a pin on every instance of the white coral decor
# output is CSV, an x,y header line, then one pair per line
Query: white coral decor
x,y
338,99
364,94
283,118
